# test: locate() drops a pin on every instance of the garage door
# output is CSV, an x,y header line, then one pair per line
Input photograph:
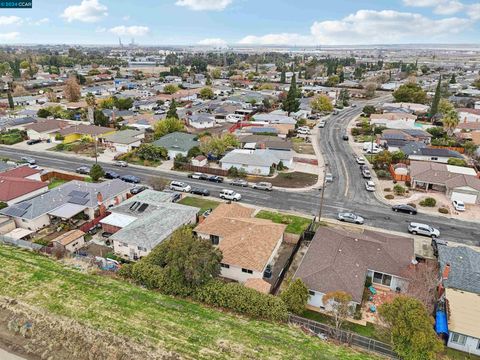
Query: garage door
x,y
466,198
121,148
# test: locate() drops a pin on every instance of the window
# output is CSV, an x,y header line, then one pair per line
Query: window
x,y
226,266
382,279
214,239
458,338
247,271
312,293
142,248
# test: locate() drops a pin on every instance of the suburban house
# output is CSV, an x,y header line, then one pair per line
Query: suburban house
x,y
394,139
257,161
469,131
248,244
253,142
457,182
76,132
460,289
467,115
125,140
66,201
394,120
273,119
20,184
424,153
339,260
70,241
201,121
177,143
42,129
200,160
413,107
144,221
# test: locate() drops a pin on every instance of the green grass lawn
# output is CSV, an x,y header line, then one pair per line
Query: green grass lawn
x,y
453,354
295,224
203,204
189,329
56,182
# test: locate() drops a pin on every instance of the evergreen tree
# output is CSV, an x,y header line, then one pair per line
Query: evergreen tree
x,y
283,78
10,99
172,110
256,68
453,80
291,103
436,98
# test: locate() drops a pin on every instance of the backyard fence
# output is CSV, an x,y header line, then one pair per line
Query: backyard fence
x,y
306,161
88,225
61,176
205,169
343,336
398,177
461,150
20,243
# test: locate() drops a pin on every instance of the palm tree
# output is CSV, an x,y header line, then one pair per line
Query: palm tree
x,y
450,121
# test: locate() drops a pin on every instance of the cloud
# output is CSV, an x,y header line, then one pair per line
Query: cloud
x,y
213,42
202,5
9,36
87,11
129,30
10,20
126,18
41,21
276,39
474,11
448,7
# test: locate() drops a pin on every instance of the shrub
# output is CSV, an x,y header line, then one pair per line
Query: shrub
x,y
387,189
295,296
428,202
389,197
408,184
356,131
443,210
383,174
60,147
240,299
399,189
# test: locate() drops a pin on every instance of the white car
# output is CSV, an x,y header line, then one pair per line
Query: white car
x,y
304,131
459,205
230,195
180,186
360,160
328,177
121,163
321,124
370,186
423,229
373,151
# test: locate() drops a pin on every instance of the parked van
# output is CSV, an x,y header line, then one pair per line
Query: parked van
x,y
180,186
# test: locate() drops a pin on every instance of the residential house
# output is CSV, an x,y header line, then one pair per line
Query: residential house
x,y
257,162
125,140
200,160
393,120
469,131
177,143
144,221
43,129
340,260
70,241
457,182
415,108
248,244
66,201
394,139
76,132
424,153
265,142
145,105
273,119
20,184
467,115
201,121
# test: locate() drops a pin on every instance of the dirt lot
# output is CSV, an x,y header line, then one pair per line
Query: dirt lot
x,y
294,180
303,148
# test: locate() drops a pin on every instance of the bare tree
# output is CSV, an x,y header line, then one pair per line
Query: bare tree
x,y
339,308
71,90
158,183
369,89
423,280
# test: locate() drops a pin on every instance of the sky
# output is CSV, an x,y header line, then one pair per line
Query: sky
x,y
243,22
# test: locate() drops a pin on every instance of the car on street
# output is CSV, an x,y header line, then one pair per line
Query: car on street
x,y
458,205
176,196
335,112
360,160
321,124
374,150
370,185
350,217
84,170
180,186
130,179
230,195
239,182
354,105
363,167
263,186
366,174
198,175
405,209
328,177
121,163
345,137
423,229
33,141
138,189
199,191
29,160
215,178
303,130
111,175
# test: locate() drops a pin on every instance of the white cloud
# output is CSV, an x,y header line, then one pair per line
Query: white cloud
x,y
423,3
41,21
130,30
474,11
201,5
213,42
9,36
449,8
276,39
100,30
87,11
126,18
10,20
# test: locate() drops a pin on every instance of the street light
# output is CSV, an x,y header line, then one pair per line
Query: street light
x,y
323,191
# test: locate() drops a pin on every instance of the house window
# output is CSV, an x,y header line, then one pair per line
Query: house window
x,y
312,293
247,271
226,266
142,248
458,339
382,279
214,239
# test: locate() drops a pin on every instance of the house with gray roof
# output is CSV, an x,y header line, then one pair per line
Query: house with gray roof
x,y
464,267
438,155
257,161
125,140
66,201
144,221
177,143
201,121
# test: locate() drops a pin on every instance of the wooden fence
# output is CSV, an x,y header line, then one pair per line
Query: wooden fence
x,y
88,225
205,169
398,177
461,150
306,161
61,176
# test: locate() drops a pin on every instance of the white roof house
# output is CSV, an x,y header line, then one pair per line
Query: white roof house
x,y
256,161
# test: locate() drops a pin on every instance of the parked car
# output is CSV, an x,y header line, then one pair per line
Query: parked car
x,y
111,175
121,163
374,150
106,234
29,160
138,189
303,131
263,186
350,217
360,160
322,124
366,174
370,185
267,274
180,186
175,195
197,175
215,178
405,209
239,182
458,205
423,229
199,191
328,177
345,137
84,170
230,195
130,179
363,167
33,141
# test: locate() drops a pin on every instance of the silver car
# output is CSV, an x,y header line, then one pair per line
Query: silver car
x,y
263,186
239,182
350,217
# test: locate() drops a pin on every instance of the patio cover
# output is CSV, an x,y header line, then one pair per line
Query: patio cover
x,y
67,211
118,220
18,233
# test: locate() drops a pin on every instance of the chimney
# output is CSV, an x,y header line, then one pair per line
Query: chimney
x,y
446,271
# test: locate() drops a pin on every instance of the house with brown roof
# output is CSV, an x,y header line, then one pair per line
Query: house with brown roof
x,y
340,260
20,184
42,129
467,115
394,120
76,132
248,244
70,241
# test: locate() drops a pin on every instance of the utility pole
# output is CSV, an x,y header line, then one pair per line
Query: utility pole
x,y
96,152
323,192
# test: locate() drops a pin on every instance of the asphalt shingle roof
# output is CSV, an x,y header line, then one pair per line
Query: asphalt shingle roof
x,y
464,267
177,141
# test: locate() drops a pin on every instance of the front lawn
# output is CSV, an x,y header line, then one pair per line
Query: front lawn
x,y
12,136
56,182
293,179
295,224
203,204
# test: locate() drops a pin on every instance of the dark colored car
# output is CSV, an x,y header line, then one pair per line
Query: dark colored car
x,y
33,141
198,191
405,209
345,137
215,178
138,189
130,179
268,272
111,175
106,234
363,167
84,170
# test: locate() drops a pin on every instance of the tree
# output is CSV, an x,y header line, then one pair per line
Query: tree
x,y
333,80
339,307
167,126
343,97
267,105
457,162
206,93
436,98
295,296
71,89
450,121
283,78
369,89
453,79
172,110
470,147
216,73
410,92
476,83
369,110
321,103
422,283
99,118
91,103
218,145
96,172
410,329
170,89
382,160
151,152
291,103
158,183
3,205
11,104
445,106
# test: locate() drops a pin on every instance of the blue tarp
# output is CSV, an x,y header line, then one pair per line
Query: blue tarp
x,y
441,324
